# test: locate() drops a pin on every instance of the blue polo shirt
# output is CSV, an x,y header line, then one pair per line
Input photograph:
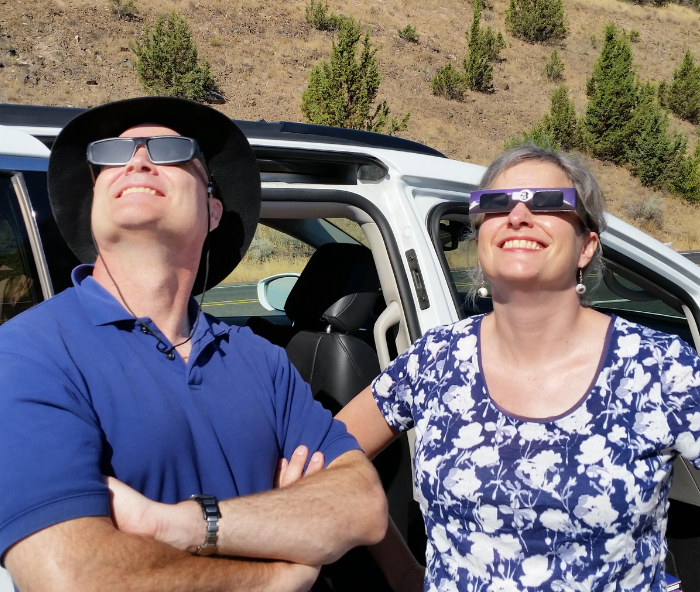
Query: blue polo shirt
x,y
84,393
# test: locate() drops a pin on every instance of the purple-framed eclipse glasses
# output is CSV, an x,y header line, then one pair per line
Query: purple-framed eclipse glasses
x,y
499,201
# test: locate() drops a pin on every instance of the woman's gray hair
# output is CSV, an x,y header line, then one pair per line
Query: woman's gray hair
x,y
581,178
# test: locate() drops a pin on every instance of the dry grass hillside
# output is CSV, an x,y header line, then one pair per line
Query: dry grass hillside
x,y
76,52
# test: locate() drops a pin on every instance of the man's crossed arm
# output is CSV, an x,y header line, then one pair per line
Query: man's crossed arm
x,y
308,522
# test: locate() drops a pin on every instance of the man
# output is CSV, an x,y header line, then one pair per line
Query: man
x,y
123,376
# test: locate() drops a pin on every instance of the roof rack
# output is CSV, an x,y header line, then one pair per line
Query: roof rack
x,y
45,123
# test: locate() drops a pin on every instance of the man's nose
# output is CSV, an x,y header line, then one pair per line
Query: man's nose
x,y
140,160
520,216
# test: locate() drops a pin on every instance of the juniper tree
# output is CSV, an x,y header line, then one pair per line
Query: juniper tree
x,y
409,33
491,44
484,48
343,89
560,124
649,151
554,68
558,129
682,176
125,10
612,93
448,82
536,21
318,16
166,61
684,94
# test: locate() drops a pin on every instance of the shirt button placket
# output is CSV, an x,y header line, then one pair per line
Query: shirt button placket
x,y
195,378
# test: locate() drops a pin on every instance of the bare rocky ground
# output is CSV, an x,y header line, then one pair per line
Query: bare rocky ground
x,y
77,53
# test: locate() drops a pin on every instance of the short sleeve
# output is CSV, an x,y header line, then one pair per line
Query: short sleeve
x,y
680,386
50,451
405,382
300,418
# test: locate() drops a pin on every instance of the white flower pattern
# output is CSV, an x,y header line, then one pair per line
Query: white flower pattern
x,y
576,502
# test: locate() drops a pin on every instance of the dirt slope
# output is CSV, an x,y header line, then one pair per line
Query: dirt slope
x,y
76,52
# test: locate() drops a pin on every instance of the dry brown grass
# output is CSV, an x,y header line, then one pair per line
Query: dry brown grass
x,y
267,49
252,271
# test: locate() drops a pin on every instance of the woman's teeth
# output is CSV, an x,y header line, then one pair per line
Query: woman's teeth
x,y
522,244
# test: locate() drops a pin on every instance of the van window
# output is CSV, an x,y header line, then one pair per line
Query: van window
x,y
19,283
59,258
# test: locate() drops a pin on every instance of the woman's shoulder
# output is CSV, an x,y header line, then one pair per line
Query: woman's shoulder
x,y
446,335
458,330
632,340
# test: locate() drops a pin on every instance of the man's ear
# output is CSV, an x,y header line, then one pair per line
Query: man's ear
x,y
216,210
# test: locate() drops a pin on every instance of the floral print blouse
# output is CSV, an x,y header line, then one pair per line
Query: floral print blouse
x,y
570,503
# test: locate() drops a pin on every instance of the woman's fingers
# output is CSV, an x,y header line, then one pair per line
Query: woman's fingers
x,y
291,471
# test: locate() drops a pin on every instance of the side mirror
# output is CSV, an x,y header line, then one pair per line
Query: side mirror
x,y
273,290
450,233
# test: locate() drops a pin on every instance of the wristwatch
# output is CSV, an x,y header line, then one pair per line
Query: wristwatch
x,y
210,510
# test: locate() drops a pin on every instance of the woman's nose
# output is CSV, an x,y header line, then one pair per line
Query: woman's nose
x,y
520,216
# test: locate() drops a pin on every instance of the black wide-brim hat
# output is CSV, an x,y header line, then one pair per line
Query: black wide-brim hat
x,y
230,159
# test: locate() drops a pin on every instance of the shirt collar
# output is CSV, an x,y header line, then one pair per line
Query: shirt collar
x,y
104,309
101,306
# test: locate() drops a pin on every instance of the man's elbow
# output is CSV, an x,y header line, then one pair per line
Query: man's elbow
x,y
380,517
375,509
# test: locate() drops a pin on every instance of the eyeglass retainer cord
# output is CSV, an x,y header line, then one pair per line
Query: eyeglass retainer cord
x,y
161,345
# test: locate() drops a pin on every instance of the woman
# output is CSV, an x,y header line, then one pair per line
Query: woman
x,y
545,431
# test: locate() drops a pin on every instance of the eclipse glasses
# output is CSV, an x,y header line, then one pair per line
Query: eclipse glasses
x,y
160,149
499,201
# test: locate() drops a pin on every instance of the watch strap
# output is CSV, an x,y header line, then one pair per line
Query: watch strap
x,y
211,513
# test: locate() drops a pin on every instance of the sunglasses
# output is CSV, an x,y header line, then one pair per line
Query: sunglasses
x,y
498,201
160,149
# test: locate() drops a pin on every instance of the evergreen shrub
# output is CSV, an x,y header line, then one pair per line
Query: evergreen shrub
x,y
342,90
125,10
683,174
612,93
558,129
318,16
448,82
692,3
409,33
484,48
166,61
649,151
554,68
684,93
536,21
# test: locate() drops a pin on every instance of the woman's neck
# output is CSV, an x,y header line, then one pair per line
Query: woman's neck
x,y
529,326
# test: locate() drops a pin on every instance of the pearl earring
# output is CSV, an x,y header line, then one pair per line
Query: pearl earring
x,y
483,291
580,287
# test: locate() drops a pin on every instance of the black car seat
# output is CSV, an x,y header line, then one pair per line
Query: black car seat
x,y
338,366
335,270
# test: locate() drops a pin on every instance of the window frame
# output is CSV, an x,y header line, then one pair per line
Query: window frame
x,y
32,229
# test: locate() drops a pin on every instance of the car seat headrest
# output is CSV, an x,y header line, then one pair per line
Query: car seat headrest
x,y
338,286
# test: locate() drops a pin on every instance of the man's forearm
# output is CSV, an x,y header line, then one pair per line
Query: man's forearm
x,y
313,521
90,554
